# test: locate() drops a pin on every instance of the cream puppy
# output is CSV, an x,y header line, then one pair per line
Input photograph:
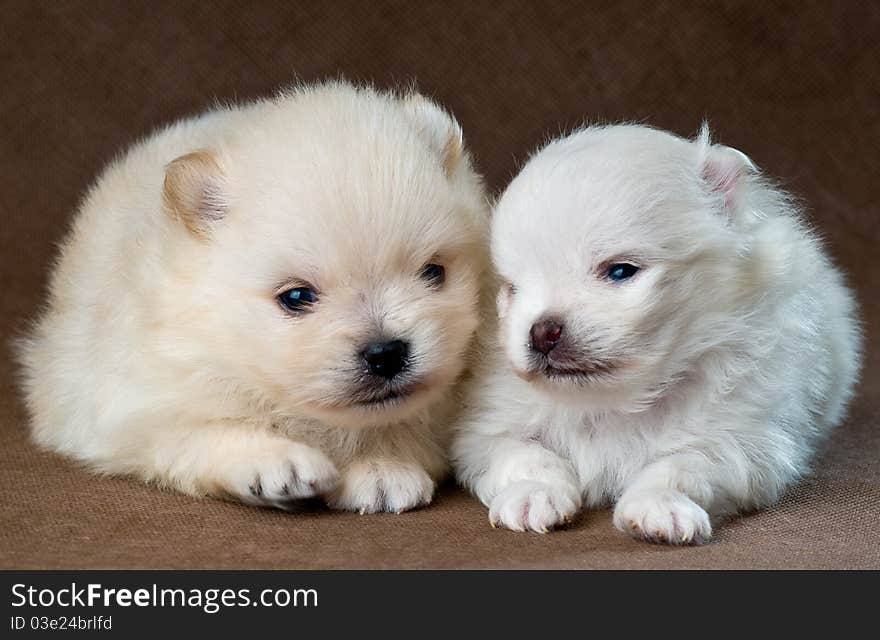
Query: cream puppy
x,y
269,302
673,339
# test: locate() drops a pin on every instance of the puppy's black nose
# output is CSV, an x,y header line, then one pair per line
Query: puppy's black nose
x,y
545,335
386,359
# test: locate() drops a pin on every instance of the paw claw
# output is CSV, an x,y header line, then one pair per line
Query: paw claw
x,y
273,478
663,516
533,506
375,487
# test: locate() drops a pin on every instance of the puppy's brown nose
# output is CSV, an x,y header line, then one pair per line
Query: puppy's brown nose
x,y
545,335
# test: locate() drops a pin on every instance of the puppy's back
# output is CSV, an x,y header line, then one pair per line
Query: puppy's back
x,y
99,286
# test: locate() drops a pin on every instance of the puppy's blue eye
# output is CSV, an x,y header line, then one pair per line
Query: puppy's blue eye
x,y
621,272
298,300
433,274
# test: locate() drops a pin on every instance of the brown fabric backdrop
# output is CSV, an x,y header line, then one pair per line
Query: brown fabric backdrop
x,y
794,84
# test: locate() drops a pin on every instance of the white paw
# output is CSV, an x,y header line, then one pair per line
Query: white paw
x,y
534,506
371,487
663,516
281,477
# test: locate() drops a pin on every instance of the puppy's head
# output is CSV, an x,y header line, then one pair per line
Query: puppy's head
x,y
334,252
623,251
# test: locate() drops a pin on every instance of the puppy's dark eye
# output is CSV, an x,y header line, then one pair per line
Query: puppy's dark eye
x,y
433,274
621,272
298,300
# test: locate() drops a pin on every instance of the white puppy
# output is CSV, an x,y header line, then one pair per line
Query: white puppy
x,y
270,302
674,339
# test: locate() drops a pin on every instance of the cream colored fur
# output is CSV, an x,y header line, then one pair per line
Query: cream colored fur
x,y
163,352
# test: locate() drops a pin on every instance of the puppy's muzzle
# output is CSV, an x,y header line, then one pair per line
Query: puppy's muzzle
x,y
545,335
386,359
387,374
555,355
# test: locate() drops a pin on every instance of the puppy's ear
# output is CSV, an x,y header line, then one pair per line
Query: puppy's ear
x,y
724,170
439,128
193,193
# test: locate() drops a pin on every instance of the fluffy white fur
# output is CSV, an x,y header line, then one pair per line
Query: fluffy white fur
x,y
164,352
699,387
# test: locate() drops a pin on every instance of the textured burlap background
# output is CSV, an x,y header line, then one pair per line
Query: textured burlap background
x,y
796,85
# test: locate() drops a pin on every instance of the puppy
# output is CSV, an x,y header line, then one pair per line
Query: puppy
x,y
673,339
269,302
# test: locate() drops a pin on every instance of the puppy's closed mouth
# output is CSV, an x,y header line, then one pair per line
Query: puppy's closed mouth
x,y
580,374
567,372
389,397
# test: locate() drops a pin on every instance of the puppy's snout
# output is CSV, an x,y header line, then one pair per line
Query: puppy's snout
x,y
545,335
386,359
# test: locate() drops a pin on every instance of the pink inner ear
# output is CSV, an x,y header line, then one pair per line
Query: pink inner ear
x,y
723,171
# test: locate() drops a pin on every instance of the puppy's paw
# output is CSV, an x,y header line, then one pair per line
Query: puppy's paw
x,y
281,477
534,506
662,516
371,487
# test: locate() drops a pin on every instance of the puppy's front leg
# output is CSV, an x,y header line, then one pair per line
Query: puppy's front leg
x,y
526,486
667,501
394,473
251,464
